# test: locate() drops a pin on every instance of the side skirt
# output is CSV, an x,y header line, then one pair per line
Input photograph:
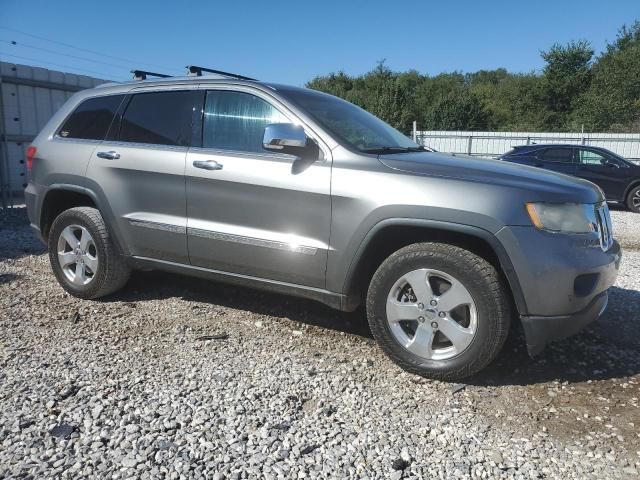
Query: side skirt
x,y
334,300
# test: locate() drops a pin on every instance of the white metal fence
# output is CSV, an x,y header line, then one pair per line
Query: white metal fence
x,y
29,96
493,144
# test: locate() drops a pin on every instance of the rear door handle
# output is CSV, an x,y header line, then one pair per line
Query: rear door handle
x,y
207,164
110,155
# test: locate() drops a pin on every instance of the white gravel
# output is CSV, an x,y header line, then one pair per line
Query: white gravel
x,y
626,227
124,388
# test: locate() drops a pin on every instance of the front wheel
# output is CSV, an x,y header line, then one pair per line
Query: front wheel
x,y
633,199
438,310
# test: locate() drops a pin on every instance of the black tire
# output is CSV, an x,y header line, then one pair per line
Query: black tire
x,y
481,280
112,271
633,199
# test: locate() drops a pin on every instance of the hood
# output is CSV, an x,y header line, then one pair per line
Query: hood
x,y
547,185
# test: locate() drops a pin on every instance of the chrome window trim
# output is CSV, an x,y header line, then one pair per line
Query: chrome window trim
x,y
244,154
150,146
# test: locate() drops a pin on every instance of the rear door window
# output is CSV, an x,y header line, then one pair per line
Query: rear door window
x,y
92,118
561,155
161,118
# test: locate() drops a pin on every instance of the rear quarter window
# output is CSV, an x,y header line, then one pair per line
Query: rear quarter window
x,y
92,118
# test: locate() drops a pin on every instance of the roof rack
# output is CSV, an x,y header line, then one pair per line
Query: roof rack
x,y
142,74
196,71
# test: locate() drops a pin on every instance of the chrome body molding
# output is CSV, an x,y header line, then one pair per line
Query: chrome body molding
x,y
227,233
253,241
165,227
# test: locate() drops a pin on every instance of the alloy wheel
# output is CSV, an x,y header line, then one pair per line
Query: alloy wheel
x,y
78,255
431,314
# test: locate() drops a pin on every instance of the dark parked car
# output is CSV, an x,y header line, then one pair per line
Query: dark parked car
x,y
617,177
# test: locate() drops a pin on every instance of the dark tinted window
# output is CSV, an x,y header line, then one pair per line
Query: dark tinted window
x,y
162,118
236,121
91,119
558,155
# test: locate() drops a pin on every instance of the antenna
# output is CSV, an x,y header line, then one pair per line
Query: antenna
x,y
142,74
196,71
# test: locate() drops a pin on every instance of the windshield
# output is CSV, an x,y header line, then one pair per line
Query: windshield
x,y
351,124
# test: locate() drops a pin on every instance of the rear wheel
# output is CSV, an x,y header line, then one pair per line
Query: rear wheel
x,y
83,257
633,199
438,310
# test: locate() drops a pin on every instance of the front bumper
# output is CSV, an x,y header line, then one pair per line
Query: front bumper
x,y
539,331
563,280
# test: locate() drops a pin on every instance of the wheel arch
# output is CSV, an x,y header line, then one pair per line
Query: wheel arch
x,y
390,235
61,197
632,185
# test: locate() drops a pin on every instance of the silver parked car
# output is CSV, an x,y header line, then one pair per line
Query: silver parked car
x,y
303,193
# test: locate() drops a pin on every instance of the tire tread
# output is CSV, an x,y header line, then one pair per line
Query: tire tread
x,y
116,270
495,294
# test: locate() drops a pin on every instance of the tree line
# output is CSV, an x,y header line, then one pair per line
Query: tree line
x,y
576,89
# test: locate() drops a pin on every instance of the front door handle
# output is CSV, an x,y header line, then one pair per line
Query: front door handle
x,y
207,164
110,155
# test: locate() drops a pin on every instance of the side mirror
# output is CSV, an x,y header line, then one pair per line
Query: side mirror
x,y
612,164
284,138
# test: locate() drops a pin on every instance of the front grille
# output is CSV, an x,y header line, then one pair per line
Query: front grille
x,y
605,230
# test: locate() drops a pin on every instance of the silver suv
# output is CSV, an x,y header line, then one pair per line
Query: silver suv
x,y
300,192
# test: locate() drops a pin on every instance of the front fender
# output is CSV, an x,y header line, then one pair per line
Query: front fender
x,y
437,225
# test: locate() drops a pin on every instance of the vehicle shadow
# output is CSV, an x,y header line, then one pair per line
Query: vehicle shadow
x,y
17,239
609,348
158,285
619,207
8,277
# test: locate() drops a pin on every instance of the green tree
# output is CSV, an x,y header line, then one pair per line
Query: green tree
x,y
386,98
431,89
566,76
514,102
613,100
381,92
458,110
572,90
338,84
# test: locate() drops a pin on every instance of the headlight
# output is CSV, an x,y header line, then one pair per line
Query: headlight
x,y
563,217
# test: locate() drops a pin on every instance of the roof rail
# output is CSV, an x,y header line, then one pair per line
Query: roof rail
x,y
142,74
196,71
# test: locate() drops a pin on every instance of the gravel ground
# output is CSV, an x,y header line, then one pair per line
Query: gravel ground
x,y
130,387
626,227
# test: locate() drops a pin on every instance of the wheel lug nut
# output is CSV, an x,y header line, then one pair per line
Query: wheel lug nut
x,y
434,324
421,319
434,303
421,306
442,314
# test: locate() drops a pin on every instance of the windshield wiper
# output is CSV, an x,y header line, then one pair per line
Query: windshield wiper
x,y
394,149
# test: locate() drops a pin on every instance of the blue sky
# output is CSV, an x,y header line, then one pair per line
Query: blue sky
x,y
293,41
